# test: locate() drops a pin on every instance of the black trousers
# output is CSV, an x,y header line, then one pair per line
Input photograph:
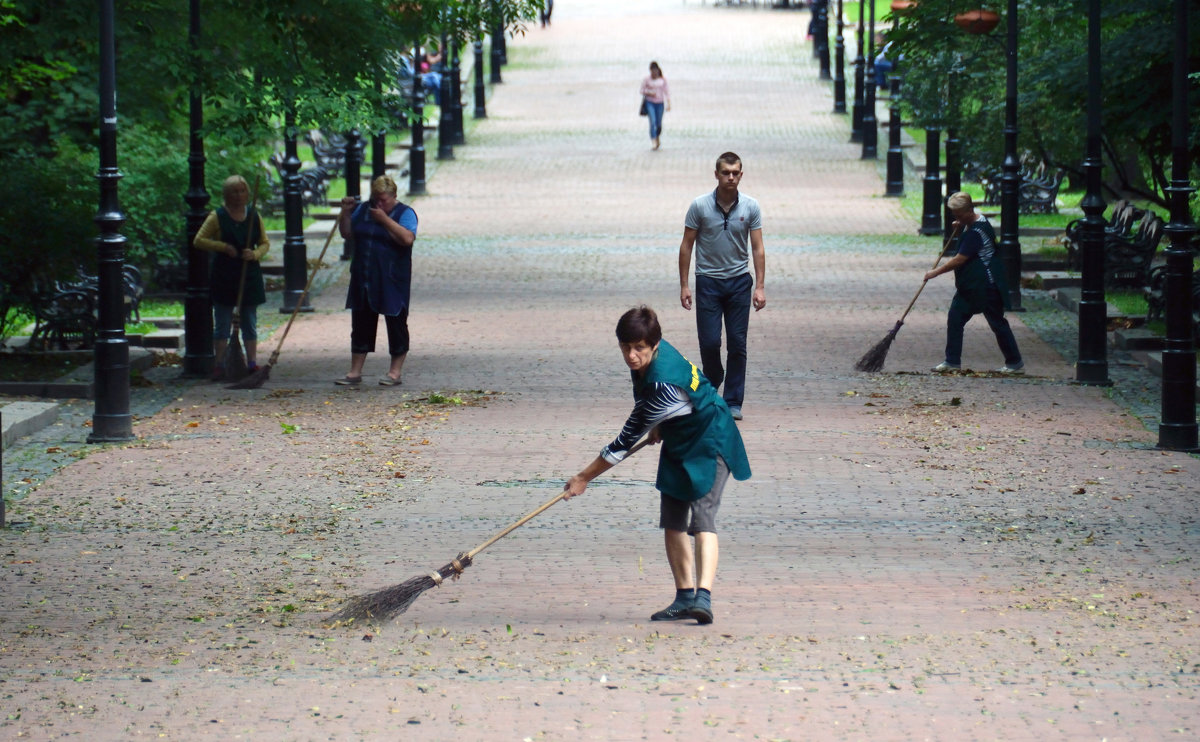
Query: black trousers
x,y
364,324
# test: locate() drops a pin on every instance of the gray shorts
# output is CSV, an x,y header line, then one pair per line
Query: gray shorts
x,y
675,515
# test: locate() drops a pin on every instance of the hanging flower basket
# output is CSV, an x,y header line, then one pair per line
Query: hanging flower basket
x,y
977,21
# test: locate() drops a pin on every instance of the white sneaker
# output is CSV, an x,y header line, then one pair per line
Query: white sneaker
x,y
1007,369
944,367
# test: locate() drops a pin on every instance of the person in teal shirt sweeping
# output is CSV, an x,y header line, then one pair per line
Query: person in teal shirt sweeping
x,y
701,447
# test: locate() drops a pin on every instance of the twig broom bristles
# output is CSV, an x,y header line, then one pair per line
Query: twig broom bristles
x,y
383,605
874,358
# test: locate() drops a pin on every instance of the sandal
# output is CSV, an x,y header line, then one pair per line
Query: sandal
x,y
386,380
348,381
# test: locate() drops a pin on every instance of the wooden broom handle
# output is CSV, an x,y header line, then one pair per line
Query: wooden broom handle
x,y
303,294
935,265
541,509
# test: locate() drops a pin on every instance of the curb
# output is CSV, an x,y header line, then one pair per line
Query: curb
x,y
22,418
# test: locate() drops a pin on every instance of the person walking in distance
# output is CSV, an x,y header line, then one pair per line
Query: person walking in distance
x,y
657,95
724,229
980,286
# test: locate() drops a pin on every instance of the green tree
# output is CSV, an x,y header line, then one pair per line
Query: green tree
x,y
257,62
1052,84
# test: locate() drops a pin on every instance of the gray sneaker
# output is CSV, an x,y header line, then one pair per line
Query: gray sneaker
x,y
674,612
1007,369
736,412
944,367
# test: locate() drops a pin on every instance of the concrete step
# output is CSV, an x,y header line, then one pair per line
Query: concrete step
x,y
1068,297
171,339
1054,279
22,418
1137,338
79,384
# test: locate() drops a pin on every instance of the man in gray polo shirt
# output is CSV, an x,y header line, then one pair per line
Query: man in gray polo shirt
x,y
725,229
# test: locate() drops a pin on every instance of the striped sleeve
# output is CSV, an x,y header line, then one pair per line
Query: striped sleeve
x,y
663,402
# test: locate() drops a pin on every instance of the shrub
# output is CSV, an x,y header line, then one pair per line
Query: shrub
x,y
46,229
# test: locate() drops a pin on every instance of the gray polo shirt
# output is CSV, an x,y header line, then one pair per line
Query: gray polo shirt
x,y
723,241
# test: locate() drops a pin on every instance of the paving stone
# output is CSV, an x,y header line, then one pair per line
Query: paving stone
x,y
918,556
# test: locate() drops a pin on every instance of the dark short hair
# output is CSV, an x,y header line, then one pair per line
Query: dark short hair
x,y
729,158
639,323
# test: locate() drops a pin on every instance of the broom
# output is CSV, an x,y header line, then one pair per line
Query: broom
x,y
384,605
874,358
259,376
234,361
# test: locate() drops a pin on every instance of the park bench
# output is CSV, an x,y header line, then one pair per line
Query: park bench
x,y
1156,300
66,314
314,186
329,150
1120,222
169,270
64,319
1155,293
1037,188
1038,194
1127,259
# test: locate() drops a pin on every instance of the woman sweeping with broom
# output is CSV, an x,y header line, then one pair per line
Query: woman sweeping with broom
x,y
234,234
701,446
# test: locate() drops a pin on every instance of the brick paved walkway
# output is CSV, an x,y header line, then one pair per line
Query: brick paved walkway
x,y
916,557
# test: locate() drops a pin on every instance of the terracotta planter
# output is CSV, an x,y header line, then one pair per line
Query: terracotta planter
x,y
977,21
902,7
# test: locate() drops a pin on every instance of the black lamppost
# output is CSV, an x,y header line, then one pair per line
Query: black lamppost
x,y
1010,180
354,159
295,252
895,154
856,109
870,125
497,55
480,90
1092,366
111,420
445,115
931,184
198,359
501,38
821,37
378,154
378,148
953,150
839,67
416,153
1177,431
456,107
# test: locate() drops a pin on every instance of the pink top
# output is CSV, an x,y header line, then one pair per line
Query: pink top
x,y
656,90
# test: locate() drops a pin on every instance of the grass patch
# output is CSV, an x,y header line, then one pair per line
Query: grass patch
x,y
161,308
851,10
140,328
1129,303
1052,252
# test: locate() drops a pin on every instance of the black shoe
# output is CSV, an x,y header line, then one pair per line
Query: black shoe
x,y
702,614
674,612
